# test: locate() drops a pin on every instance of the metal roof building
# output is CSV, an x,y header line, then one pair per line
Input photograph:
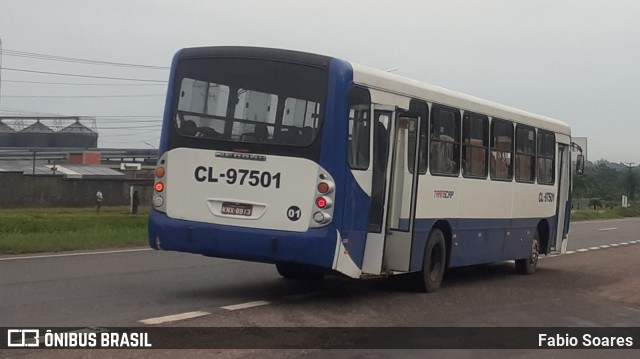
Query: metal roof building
x,y
64,170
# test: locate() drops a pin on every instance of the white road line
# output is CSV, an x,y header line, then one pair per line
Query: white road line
x,y
615,244
624,243
173,318
569,252
583,250
594,248
605,246
246,305
74,254
633,242
608,229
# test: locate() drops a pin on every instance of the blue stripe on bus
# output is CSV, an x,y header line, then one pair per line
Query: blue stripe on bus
x,y
166,122
567,218
351,213
480,241
314,247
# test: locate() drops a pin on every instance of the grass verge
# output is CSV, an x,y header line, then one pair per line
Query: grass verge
x,y
35,230
618,212
60,229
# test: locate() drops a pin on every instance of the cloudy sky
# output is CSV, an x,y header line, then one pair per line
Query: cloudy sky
x,y
574,60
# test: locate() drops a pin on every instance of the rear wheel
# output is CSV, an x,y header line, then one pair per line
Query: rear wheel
x,y
527,266
434,262
299,271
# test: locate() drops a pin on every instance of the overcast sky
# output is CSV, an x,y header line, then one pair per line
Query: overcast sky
x,y
577,61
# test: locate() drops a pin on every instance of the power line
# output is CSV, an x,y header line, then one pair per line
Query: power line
x,y
38,56
82,96
122,120
47,114
137,133
79,84
84,76
125,116
102,128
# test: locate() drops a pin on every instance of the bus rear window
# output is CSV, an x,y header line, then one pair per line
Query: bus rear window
x,y
249,101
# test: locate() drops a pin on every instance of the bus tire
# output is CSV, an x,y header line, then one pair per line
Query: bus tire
x,y
298,271
527,266
434,261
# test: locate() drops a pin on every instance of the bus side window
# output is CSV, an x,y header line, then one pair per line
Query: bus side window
x,y
445,141
359,129
546,157
501,150
475,144
421,108
525,154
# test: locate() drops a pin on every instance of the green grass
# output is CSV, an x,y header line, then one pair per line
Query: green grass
x,y
61,229
618,212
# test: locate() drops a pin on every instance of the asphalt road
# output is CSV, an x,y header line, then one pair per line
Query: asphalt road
x,y
596,233
593,286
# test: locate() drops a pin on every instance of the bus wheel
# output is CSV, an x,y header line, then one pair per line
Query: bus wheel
x,y
299,271
433,264
527,266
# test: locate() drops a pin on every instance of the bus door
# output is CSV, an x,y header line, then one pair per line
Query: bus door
x,y
402,189
381,135
559,243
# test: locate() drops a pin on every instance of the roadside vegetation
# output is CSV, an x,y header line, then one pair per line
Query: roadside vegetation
x,y
609,213
33,230
598,193
61,229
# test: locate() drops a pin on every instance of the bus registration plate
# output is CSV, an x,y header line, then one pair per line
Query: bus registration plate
x,y
236,209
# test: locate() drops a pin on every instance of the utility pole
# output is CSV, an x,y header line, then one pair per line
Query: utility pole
x,y
630,184
0,71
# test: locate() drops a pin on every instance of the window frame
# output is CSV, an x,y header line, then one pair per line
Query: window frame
x,y
518,154
544,134
485,140
351,127
455,142
495,121
421,108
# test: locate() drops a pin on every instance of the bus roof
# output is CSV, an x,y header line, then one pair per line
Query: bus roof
x,y
383,80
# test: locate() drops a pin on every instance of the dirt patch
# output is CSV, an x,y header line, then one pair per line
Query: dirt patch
x,y
626,291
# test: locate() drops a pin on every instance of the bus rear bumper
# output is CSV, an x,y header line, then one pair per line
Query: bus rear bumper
x,y
315,247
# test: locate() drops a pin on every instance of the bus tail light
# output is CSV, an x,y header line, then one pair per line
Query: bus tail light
x,y
158,200
325,195
159,187
325,187
321,217
324,202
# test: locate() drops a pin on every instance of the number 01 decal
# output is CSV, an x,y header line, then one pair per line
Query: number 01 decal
x,y
294,213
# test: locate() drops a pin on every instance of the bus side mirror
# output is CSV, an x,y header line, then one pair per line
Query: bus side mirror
x,y
580,164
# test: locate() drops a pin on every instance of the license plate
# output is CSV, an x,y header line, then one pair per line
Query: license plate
x,y
236,209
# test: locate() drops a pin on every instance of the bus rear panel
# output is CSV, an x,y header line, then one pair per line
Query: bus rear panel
x,y
241,170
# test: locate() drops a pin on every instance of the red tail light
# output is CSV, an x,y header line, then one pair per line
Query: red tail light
x,y
321,202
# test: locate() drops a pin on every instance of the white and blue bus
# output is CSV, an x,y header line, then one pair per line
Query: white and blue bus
x,y
319,165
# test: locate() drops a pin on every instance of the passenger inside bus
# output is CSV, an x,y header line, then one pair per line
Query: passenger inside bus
x,y
474,158
288,136
306,135
188,128
261,133
501,158
442,155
